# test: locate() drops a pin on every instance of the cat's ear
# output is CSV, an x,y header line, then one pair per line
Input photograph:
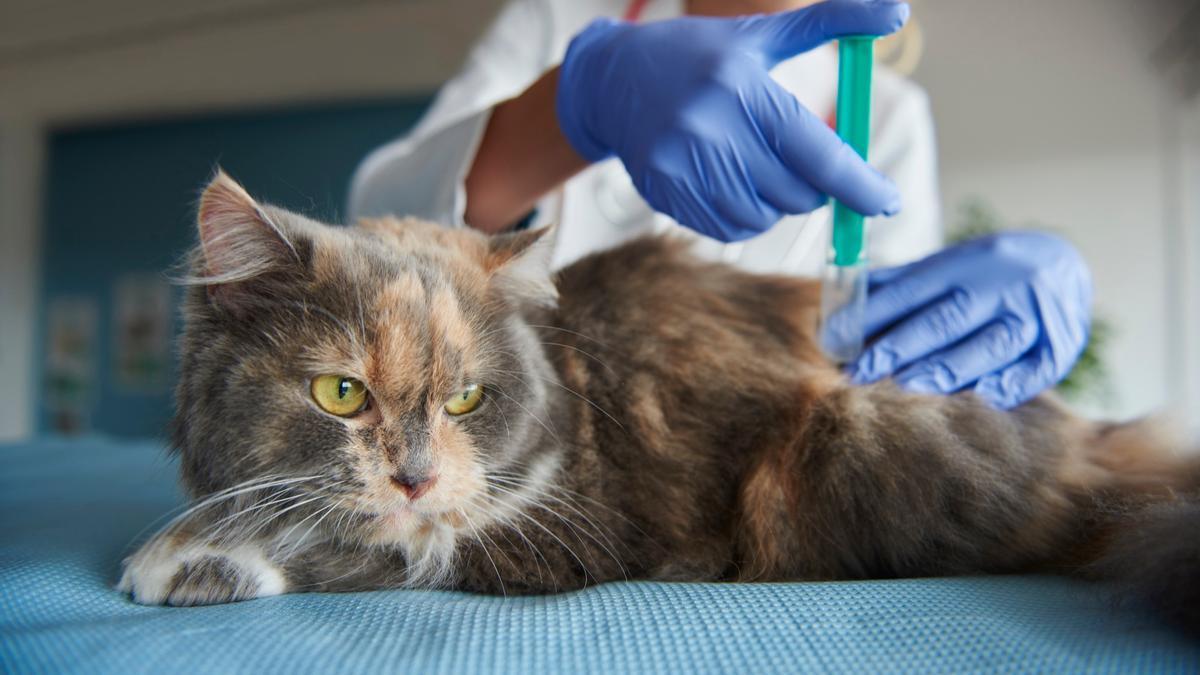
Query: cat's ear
x,y
520,265
238,240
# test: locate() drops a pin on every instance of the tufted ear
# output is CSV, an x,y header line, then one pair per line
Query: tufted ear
x,y
238,241
520,265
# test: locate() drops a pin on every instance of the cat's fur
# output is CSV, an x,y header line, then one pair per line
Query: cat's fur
x,y
646,415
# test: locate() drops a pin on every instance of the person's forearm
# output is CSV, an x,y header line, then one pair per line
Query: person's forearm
x,y
523,155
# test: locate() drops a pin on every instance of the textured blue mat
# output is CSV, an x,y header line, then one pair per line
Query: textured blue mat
x,y
69,509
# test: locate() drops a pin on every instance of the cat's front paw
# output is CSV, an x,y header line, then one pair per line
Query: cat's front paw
x,y
162,573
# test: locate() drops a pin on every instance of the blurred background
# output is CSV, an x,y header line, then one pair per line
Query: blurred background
x,y
1079,116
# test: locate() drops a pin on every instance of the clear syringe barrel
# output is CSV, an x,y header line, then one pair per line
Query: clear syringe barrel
x,y
844,284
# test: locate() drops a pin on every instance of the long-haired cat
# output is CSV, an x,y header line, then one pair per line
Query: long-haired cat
x,y
403,405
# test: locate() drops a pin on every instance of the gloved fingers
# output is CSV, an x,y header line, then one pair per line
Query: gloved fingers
x,y
918,285
774,182
988,350
1066,318
782,36
733,194
745,218
1021,381
929,329
881,276
812,151
780,188
681,201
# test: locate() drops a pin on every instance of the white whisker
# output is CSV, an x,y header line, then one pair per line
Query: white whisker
x,y
575,527
500,391
476,533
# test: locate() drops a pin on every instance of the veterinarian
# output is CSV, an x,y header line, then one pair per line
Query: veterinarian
x,y
618,118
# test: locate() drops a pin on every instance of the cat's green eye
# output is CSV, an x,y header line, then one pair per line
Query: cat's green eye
x,y
339,395
465,401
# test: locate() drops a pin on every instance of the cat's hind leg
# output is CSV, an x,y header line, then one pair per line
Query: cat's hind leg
x,y
876,482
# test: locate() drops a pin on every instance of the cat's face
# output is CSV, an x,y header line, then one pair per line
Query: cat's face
x,y
387,369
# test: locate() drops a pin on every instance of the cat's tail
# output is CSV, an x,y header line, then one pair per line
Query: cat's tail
x,y
1150,546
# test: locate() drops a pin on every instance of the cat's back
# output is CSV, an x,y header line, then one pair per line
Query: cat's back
x,y
687,354
652,290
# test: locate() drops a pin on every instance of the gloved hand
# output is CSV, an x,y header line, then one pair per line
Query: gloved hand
x,y
1006,315
707,136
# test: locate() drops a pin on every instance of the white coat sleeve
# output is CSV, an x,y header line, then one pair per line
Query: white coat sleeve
x,y
422,174
906,152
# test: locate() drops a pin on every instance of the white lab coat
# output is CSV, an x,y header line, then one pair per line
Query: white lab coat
x,y
423,173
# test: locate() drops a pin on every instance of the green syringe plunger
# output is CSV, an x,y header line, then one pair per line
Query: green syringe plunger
x,y
855,64
844,285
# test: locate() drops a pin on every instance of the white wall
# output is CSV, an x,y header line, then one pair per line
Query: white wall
x,y
20,179
153,57
1188,187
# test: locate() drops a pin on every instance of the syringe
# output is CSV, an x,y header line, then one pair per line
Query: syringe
x,y
844,284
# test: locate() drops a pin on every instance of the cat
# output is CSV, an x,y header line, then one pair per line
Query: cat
x,y
400,404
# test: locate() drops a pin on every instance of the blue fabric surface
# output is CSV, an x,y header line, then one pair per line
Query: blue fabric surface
x,y
70,509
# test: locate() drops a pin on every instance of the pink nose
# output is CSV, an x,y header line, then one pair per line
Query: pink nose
x,y
413,487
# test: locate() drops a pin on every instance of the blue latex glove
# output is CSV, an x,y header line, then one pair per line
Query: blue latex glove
x,y
1006,315
707,136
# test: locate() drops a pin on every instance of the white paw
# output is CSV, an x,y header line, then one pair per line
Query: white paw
x,y
165,573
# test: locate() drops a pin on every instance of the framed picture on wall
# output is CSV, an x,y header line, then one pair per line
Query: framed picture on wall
x,y
70,362
141,332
